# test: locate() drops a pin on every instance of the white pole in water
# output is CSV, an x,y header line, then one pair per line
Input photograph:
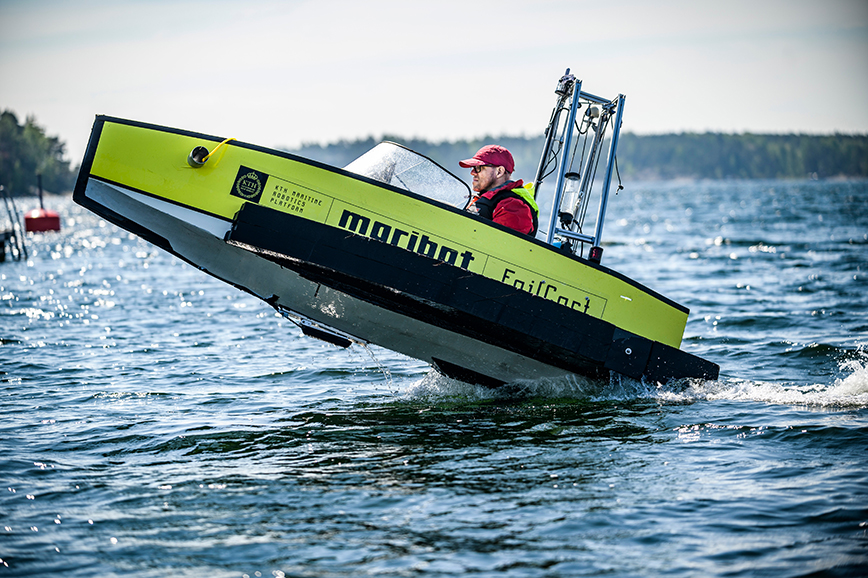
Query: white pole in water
x,y
562,169
610,166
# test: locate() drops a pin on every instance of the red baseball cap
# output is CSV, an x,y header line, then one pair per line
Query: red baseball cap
x,y
490,155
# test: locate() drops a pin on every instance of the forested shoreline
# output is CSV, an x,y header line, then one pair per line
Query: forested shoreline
x,y
26,150
659,157
743,156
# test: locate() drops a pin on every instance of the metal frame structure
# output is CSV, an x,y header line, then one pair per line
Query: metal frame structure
x,y
561,147
14,235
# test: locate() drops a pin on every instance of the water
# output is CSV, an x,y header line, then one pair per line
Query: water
x,y
156,422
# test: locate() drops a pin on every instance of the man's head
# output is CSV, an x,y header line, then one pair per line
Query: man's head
x,y
491,166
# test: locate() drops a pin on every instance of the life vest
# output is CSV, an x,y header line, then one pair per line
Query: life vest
x,y
486,205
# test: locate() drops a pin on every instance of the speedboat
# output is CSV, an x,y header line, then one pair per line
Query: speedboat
x,y
383,251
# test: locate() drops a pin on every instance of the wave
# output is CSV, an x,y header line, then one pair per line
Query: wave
x,y
849,391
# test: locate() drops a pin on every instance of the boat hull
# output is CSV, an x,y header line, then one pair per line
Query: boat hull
x,y
364,262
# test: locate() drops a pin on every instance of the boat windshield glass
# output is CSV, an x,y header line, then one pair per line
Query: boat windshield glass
x,y
396,165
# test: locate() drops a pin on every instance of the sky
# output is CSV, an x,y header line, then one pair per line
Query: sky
x,y
292,72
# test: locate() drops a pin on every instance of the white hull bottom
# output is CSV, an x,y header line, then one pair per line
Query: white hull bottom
x,y
198,239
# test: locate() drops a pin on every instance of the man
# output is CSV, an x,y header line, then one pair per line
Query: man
x,y
500,199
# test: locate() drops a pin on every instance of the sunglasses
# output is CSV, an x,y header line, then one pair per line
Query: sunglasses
x,y
478,169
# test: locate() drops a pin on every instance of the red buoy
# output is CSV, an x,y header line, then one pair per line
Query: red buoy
x,y
39,220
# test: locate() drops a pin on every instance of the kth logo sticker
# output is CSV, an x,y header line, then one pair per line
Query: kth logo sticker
x,y
249,184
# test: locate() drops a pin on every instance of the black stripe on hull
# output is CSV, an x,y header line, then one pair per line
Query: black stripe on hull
x,y
455,299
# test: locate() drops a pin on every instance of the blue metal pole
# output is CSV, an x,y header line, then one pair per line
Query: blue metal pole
x,y
610,166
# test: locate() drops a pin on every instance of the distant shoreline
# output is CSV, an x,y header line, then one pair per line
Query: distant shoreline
x,y
683,157
697,156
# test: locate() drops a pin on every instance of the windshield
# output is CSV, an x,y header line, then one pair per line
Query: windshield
x,y
396,165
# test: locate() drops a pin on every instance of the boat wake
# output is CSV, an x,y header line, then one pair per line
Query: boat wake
x,y
848,391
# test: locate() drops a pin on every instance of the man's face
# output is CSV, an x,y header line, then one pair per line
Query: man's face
x,y
483,177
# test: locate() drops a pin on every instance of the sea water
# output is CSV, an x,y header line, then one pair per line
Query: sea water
x,y
157,422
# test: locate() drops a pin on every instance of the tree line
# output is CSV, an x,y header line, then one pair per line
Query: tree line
x,y
654,157
26,151
743,156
